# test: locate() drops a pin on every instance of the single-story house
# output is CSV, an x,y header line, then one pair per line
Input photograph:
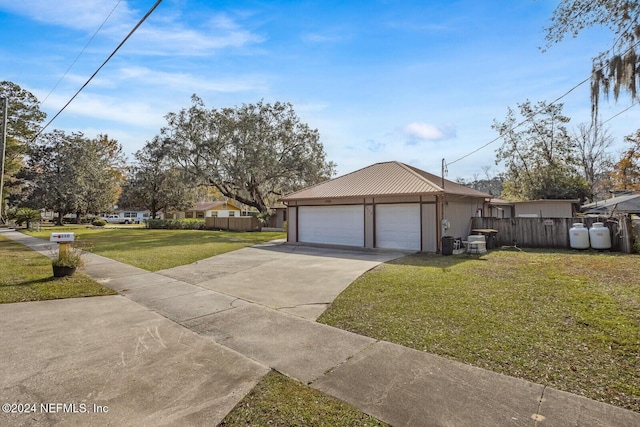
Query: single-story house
x,y
201,210
387,205
628,203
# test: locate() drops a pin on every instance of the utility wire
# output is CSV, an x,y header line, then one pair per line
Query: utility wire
x,y
144,18
623,111
550,104
81,52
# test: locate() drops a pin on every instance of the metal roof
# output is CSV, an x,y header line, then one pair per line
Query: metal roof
x,y
205,206
629,203
384,179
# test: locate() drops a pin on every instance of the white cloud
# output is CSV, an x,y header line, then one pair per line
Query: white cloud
x,y
160,35
110,108
77,14
416,132
191,83
220,32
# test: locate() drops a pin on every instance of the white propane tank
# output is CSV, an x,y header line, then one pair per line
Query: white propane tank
x,y
579,236
600,237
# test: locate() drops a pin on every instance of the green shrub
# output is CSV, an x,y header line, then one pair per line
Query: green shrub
x,y
176,224
98,222
24,215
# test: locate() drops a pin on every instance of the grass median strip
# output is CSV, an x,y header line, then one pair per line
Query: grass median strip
x,y
155,250
564,319
27,276
281,401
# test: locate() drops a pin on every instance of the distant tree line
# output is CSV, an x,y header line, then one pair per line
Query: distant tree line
x,y
253,153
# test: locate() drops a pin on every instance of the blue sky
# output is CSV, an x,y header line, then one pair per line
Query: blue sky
x,y
414,81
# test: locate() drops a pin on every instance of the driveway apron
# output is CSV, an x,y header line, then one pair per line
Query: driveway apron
x,y
297,280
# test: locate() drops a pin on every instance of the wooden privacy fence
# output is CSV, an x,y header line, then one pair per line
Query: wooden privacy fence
x,y
543,232
242,223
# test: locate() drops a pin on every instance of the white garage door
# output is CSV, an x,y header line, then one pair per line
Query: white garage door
x,y
398,226
333,225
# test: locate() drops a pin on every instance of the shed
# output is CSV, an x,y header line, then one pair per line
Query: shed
x,y
546,208
387,205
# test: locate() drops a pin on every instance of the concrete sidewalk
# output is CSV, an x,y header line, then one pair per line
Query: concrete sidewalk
x,y
393,383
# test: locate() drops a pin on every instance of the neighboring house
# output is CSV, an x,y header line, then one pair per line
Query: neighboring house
x,y
201,210
628,203
386,205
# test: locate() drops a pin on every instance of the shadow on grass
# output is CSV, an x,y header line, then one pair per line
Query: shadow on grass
x,y
437,260
33,282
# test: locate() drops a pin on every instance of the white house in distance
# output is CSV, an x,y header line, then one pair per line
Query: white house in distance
x,y
387,205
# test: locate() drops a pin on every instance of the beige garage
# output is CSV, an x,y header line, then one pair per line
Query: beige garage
x,y
387,205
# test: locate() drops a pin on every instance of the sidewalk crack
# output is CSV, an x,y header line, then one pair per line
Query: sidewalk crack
x,y
538,417
333,368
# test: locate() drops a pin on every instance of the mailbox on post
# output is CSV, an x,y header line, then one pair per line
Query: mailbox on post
x,y
62,237
63,240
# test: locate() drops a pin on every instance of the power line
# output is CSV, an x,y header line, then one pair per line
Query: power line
x,y
623,111
144,18
81,52
550,104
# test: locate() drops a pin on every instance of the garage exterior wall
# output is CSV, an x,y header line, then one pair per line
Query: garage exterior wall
x,y
292,224
369,218
459,214
430,226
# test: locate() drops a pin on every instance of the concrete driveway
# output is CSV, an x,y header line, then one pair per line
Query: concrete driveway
x,y
299,280
109,361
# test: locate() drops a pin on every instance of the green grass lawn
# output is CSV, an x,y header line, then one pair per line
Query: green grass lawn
x,y
565,319
27,276
281,401
155,250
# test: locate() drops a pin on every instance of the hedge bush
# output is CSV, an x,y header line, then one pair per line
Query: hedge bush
x,y
176,224
98,222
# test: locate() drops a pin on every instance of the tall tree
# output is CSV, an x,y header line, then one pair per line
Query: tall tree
x,y
539,158
100,165
23,120
154,183
74,174
626,172
619,67
253,153
592,144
